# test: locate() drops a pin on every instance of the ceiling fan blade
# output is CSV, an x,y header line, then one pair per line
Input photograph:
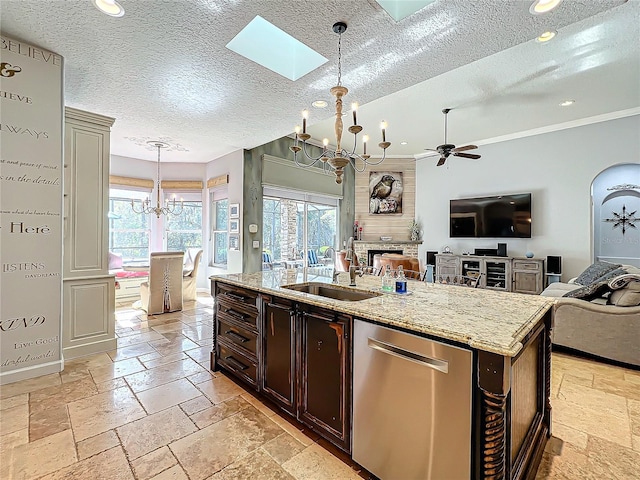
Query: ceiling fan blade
x,y
467,155
441,161
431,150
465,147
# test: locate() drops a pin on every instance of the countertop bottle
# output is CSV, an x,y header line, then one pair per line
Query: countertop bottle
x,y
401,281
387,280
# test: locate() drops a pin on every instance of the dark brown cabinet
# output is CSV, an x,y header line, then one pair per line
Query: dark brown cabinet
x,y
236,330
279,352
324,374
296,355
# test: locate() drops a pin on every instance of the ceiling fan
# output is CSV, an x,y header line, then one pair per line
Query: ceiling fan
x,y
447,149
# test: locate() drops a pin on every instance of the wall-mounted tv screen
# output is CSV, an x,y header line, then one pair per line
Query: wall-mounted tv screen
x,y
494,217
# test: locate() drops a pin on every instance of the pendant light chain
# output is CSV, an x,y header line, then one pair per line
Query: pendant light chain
x,y
339,60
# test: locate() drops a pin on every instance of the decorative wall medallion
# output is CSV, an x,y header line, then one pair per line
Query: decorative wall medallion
x,y
623,219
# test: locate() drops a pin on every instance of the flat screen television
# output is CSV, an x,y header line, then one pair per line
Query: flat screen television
x,y
503,216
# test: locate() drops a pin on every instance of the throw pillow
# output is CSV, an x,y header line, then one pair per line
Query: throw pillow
x,y
589,292
612,274
628,296
595,271
622,281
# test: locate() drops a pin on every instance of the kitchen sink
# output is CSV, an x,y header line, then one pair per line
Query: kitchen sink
x,y
331,291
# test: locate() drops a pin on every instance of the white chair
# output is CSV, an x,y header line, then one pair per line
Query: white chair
x,y
190,274
162,293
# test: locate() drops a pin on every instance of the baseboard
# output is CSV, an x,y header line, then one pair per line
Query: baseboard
x,y
77,351
31,372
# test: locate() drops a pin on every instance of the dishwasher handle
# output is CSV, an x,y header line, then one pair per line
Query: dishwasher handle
x,y
436,364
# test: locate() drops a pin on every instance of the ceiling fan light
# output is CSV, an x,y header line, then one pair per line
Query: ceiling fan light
x,y
543,6
546,36
110,7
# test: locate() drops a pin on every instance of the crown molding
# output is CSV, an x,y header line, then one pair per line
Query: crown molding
x,y
605,117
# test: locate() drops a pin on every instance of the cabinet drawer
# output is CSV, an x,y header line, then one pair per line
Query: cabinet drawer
x,y
525,265
447,262
245,300
237,363
237,313
238,336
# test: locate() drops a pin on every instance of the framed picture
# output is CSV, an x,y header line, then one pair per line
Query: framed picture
x,y
234,225
234,242
385,193
234,210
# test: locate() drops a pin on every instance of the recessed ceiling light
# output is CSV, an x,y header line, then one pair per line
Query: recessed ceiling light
x,y
566,103
319,104
403,143
110,7
546,36
543,6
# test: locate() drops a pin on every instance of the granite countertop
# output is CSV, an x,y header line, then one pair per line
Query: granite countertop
x,y
483,319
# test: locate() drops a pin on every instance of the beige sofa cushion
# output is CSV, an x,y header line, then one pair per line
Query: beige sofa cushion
x,y
626,290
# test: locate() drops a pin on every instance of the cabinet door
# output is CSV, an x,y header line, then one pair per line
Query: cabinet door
x,y
325,371
527,276
447,268
278,352
497,274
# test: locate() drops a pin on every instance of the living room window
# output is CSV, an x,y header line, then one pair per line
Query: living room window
x,y
219,221
129,232
184,231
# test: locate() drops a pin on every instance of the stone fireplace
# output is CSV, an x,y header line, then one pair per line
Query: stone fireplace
x,y
365,249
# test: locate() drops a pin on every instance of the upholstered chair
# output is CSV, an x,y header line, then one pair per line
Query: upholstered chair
x,y
162,293
190,274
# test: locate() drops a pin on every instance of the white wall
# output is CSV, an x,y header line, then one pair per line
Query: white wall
x,y
231,164
557,168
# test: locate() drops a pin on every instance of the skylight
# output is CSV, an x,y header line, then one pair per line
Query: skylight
x,y
399,9
267,45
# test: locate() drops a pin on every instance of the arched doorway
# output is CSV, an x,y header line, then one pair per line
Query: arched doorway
x,y
615,197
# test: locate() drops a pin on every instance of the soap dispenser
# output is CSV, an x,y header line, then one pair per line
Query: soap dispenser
x,y
401,281
387,280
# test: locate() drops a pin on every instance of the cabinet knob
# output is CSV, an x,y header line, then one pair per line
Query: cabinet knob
x,y
319,344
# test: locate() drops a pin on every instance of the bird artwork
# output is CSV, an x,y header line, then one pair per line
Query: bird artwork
x,y
385,192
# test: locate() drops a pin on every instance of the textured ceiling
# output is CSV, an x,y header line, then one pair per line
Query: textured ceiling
x,y
163,70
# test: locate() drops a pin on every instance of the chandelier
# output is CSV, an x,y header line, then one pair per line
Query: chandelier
x,y
339,158
169,207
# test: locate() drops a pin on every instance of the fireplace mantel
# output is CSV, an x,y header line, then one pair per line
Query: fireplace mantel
x,y
407,247
388,242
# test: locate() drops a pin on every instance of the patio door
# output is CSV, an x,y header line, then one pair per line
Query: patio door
x,y
294,227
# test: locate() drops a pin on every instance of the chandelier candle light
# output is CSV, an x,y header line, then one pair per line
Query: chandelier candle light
x,y
339,158
168,208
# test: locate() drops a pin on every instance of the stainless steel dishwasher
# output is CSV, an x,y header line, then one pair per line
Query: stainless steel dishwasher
x,y
411,405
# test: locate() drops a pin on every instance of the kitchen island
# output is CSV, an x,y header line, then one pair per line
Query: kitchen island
x,y
296,349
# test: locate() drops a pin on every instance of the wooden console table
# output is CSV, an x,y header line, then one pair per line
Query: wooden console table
x,y
509,274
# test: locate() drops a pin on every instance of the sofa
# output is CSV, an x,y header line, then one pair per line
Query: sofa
x,y
599,315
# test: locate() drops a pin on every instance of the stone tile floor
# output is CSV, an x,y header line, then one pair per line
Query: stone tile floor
x,y
151,409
